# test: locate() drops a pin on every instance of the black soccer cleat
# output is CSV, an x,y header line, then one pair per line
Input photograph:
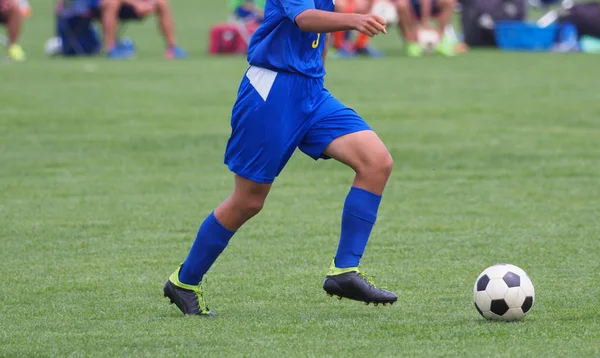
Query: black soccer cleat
x,y
189,299
355,286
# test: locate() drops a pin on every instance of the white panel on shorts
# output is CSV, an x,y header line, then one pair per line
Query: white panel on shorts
x,y
262,80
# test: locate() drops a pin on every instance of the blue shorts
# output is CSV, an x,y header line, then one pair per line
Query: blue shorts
x,y
274,114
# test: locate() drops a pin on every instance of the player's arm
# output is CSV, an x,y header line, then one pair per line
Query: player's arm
x,y
326,48
426,13
308,19
319,21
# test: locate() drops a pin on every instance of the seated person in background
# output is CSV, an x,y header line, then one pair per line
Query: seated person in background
x,y
248,10
416,14
12,16
111,11
360,46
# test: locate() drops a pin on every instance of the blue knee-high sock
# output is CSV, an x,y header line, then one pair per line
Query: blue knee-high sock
x,y
211,240
358,218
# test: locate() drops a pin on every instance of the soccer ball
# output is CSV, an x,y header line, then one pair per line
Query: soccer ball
x,y
503,293
428,40
53,46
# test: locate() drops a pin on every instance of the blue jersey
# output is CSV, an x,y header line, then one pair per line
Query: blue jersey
x,y
279,45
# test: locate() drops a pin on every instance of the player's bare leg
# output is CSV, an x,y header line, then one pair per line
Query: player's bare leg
x,y
445,16
166,22
407,20
365,153
447,46
167,28
184,287
409,26
14,19
109,18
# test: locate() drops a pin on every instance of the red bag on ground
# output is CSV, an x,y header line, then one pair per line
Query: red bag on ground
x,y
231,38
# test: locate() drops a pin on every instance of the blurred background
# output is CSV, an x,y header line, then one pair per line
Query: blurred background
x,y
77,27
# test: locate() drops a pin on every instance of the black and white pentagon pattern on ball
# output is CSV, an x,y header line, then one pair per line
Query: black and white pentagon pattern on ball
x,y
503,292
527,304
511,279
482,283
526,286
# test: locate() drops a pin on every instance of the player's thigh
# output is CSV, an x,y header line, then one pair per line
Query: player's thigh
x,y
338,132
363,151
267,124
332,121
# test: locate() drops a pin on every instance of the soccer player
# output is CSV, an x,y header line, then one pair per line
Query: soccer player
x,y
11,14
282,105
110,11
414,14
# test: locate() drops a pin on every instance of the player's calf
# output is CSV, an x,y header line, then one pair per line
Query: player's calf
x,y
407,21
10,12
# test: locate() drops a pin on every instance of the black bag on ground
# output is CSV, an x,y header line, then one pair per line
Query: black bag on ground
x,y
585,17
479,18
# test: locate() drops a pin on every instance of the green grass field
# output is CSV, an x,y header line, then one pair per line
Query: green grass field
x,y
107,169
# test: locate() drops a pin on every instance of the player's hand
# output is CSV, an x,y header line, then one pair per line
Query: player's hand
x,y
370,24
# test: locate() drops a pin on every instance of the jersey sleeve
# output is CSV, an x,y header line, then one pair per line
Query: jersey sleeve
x,y
293,8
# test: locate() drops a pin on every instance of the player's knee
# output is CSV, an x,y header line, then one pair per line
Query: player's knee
x,y
385,164
252,205
248,202
378,166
